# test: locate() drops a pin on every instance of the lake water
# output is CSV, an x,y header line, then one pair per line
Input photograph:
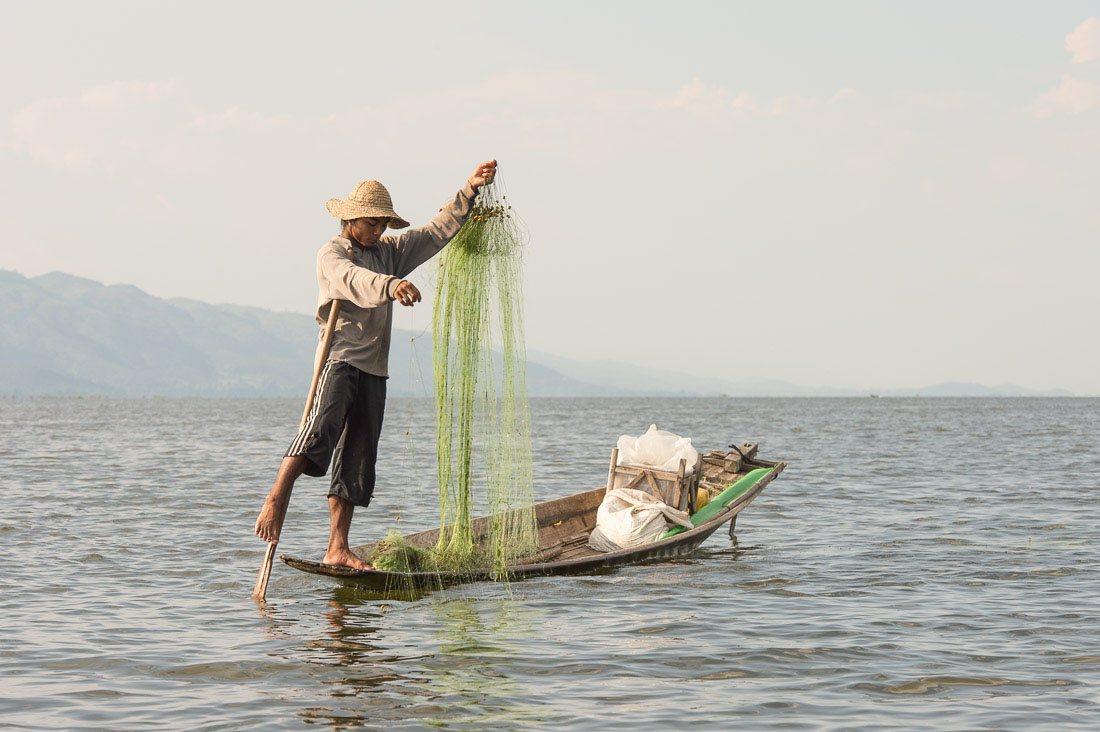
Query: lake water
x,y
922,563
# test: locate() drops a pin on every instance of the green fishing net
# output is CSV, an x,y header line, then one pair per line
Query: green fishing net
x,y
479,366
396,554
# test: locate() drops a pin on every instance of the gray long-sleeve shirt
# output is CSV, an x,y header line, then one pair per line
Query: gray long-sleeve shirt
x,y
365,279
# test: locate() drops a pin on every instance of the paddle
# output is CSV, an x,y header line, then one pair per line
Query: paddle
x,y
322,357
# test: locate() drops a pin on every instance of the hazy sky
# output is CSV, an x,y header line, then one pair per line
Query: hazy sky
x,y
850,194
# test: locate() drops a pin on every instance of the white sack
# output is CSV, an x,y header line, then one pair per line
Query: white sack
x,y
629,518
657,449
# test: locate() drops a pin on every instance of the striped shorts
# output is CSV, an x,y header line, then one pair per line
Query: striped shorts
x,y
343,426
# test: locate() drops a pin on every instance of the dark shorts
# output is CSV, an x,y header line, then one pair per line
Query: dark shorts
x,y
343,426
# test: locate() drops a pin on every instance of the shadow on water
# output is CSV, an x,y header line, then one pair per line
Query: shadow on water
x,y
443,658
459,680
398,593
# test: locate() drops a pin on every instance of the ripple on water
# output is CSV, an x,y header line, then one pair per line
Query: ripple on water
x,y
932,685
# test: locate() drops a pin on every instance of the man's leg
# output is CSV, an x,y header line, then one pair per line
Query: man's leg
x,y
339,553
312,448
267,527
353,466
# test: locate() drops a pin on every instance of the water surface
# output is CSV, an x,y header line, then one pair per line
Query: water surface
x,y
922,563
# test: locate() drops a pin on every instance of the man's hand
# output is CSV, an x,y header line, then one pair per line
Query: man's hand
x,y
406,293
484,174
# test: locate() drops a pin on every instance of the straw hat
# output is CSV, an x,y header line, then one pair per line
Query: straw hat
x,y
369,199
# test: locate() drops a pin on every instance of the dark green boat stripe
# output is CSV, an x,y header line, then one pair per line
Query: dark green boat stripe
x,y
719,502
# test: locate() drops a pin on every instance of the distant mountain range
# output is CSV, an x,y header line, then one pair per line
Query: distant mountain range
x,y
62,335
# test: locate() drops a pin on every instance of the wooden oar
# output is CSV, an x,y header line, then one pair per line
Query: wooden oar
x,y
318,367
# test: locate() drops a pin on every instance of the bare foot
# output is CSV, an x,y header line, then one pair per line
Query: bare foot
x,y
344,558
267,527
270,521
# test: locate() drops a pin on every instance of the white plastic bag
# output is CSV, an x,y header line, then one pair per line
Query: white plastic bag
x,y
657,449
629,518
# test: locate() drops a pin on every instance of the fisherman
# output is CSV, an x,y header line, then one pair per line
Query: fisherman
x,y
365,269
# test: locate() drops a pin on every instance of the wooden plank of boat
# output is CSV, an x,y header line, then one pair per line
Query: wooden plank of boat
x,y
564,526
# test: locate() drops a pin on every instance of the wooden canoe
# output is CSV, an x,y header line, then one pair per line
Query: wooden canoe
x,y
564,527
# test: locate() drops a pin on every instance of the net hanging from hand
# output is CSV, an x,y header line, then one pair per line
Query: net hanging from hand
x,y
479,366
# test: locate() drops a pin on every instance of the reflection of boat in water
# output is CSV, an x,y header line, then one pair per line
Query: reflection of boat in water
x,y
733,481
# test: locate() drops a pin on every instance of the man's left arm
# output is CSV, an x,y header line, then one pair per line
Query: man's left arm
x,y
416,246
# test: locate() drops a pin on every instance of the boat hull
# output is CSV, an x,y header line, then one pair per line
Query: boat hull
x,y
550,515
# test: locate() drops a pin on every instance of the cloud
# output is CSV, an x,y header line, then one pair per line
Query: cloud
x,y
698,97
235,117
586,115
90,129
1084,41
1073,96
127,127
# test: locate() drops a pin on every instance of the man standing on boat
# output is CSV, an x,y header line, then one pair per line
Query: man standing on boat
x,y
365,269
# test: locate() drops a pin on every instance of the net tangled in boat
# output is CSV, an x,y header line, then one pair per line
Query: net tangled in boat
x,y
479,367
396,554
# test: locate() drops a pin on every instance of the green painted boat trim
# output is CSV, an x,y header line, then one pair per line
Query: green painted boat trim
x,y
722,500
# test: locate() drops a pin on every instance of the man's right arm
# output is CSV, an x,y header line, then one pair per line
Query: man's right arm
x,y
346,280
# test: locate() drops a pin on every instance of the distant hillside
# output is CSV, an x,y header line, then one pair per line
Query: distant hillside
x,y
963,389
66,335
657,382
644,380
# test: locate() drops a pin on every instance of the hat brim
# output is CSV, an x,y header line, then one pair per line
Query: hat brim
x,y
346,211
